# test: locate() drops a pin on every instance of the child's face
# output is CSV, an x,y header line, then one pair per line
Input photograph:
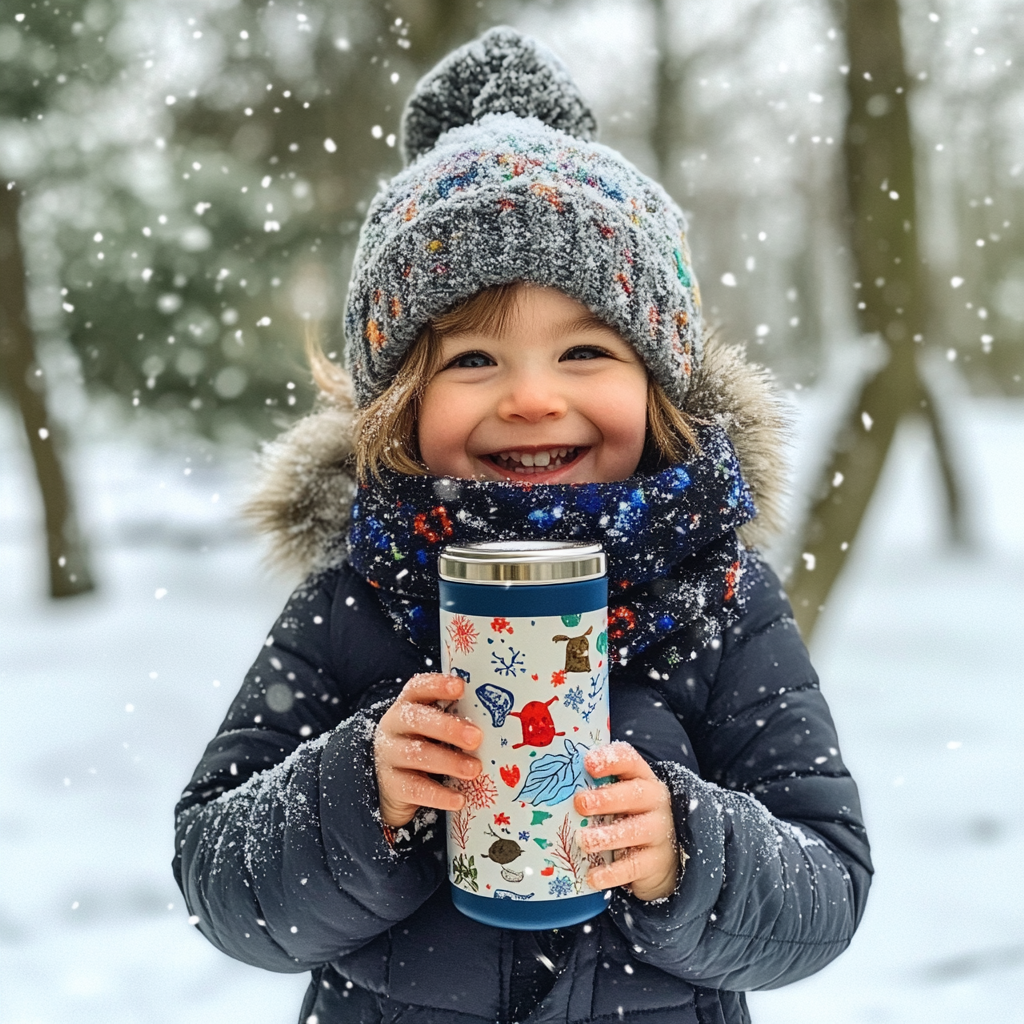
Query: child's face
x,y
558,397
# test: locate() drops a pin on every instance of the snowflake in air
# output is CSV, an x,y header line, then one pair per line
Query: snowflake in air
x,y
507,666
463,634
524,837
480,792
560,886
573,698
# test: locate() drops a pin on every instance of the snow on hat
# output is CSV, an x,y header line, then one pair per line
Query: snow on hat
x,y
504,184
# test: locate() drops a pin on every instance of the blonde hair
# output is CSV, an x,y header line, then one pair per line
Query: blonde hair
x,y
385,431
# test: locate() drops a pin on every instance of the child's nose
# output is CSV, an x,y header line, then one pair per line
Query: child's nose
x,y
531,398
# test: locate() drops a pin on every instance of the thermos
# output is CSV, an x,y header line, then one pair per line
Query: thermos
x,y
525,624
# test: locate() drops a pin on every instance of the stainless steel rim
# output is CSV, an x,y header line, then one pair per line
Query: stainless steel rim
x,y
505,563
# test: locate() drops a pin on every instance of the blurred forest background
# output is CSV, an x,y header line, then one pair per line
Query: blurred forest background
x,y
182,184
181,188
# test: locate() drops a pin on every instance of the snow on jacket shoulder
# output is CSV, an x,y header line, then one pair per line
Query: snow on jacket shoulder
x,y
282,857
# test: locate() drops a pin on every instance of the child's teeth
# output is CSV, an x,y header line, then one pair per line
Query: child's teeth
x,y
524,461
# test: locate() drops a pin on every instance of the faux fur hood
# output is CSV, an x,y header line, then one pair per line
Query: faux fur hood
x,y
306,482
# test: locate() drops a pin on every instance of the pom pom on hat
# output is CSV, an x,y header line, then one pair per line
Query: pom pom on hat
x,y
502,72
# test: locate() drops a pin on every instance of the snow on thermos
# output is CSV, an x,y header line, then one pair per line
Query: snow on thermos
x,y
526,626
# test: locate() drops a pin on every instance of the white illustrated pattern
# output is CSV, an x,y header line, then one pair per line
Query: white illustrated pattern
x,y
538,688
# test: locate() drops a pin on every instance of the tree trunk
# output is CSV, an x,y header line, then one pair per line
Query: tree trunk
x,y
66,548
892,296
666,129
942,437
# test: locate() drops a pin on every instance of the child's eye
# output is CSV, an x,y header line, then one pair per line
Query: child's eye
x,y
470,361
584,352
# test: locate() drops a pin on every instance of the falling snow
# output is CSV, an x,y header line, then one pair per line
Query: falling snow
x,y
99,843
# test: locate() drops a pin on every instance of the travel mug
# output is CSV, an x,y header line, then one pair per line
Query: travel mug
x,y
525,624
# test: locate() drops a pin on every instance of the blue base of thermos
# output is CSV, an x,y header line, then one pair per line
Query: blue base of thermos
x,y
521,915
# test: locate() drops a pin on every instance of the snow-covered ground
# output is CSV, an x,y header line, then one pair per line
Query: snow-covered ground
x,y
108,701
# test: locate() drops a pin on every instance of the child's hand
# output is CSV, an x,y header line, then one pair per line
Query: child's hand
x,y
410,746
645,834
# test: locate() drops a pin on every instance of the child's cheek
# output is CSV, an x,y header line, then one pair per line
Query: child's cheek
x,y
442,432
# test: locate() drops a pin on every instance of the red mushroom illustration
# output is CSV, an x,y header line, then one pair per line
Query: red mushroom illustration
x,y
538,726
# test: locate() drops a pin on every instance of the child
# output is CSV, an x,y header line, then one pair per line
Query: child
x,y
527,361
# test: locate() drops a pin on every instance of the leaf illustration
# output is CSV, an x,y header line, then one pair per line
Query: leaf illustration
x,y
465,872
554,777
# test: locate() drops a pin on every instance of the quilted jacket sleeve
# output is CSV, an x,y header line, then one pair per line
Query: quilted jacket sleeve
x,y
777,864
280,851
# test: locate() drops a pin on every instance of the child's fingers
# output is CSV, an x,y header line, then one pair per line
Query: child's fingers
x,y
633,864
428,687
414,740
620,759
432,723
649,875
633,830
632,796
418,790
412,754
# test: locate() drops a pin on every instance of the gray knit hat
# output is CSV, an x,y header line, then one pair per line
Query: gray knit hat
x,y
504,184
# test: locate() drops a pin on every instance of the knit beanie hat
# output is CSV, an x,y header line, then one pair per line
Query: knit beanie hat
x,y
503,183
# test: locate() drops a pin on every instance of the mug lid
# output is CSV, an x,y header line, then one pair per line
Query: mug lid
x,y
522,562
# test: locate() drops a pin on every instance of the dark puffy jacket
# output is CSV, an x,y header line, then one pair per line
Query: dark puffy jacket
x,y
281,854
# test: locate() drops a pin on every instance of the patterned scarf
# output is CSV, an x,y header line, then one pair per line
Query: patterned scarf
x,y
674,561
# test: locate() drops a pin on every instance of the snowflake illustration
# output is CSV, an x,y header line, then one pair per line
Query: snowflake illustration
x,y
592,697
573,698
507,666
524,837
463,634
560,886
480,792
558,678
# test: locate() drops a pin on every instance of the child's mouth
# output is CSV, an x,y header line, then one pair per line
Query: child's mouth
x,y
546,460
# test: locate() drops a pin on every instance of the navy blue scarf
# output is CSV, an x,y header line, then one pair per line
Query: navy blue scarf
x,y
674,561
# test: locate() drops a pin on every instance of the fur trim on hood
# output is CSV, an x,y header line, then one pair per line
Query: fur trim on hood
x,y
306,483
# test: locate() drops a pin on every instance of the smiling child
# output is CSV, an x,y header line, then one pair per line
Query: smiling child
x,y
526,361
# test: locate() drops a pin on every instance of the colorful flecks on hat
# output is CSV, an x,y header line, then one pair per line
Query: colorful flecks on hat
x,y
674,563
507,186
